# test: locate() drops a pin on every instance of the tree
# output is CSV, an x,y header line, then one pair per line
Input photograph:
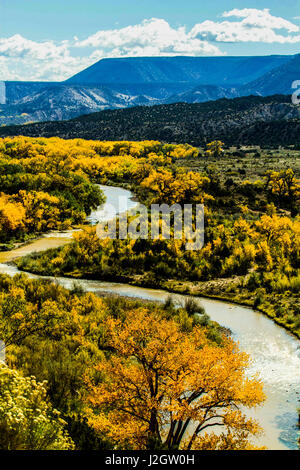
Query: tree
x,y
162,387
12,216
215,149
27,420
20,319
284,186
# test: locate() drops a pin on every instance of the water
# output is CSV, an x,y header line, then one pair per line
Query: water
x,y
57,239
118,200
275,353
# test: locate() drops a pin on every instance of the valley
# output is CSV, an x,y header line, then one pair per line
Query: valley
x,y
273,351
149,231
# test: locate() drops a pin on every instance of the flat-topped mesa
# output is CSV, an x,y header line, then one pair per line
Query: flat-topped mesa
x,y
197,70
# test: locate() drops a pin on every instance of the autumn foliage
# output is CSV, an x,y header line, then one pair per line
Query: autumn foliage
x,y
120,373
125,375
165,388
251,226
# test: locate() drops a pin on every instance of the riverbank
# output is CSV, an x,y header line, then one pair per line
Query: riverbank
x,y
226,289
243,298
274,352
203,289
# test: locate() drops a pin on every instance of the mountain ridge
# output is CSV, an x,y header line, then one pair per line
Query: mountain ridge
x,y
134,70
253,120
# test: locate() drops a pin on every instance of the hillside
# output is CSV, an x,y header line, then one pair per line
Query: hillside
x,y
66,102
278,80
203,93
23,102
61,102
250,120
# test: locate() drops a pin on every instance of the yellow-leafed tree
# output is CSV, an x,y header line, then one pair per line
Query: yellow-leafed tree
x,y
163,388
12,214
215,148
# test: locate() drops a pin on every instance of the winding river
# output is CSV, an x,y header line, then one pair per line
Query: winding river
x,y
275,353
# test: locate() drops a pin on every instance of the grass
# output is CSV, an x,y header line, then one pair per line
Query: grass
x,y
252,164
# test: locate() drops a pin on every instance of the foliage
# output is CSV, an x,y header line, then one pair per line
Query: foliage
x,y
60,336
160,380
251,224
40,192
284,188
27,420
215,148
72,339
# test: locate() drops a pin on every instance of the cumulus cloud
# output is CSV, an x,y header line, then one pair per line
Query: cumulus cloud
x,y
154,36
56,61
18,47
261,19
253,26
24,59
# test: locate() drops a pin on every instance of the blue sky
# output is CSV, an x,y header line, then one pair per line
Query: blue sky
x,y
52,39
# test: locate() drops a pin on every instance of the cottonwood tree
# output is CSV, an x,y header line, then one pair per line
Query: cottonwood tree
x,y
160,387
285,187
215,149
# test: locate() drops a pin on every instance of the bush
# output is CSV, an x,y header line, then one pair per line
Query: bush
x,y
27,421
192,306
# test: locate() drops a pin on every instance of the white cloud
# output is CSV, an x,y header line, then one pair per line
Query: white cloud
x,y
253,26
18,47
154,36
24,59
261,19
47,60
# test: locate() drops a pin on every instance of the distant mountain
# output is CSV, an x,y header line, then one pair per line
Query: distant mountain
x,y
194,70
203,93
65,102
61,102
122,83
54,102
249,120
15,91
278,80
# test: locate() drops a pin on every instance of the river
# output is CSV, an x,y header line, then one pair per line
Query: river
x,y
275,353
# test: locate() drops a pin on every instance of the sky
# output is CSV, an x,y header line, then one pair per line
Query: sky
x,y
51,40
